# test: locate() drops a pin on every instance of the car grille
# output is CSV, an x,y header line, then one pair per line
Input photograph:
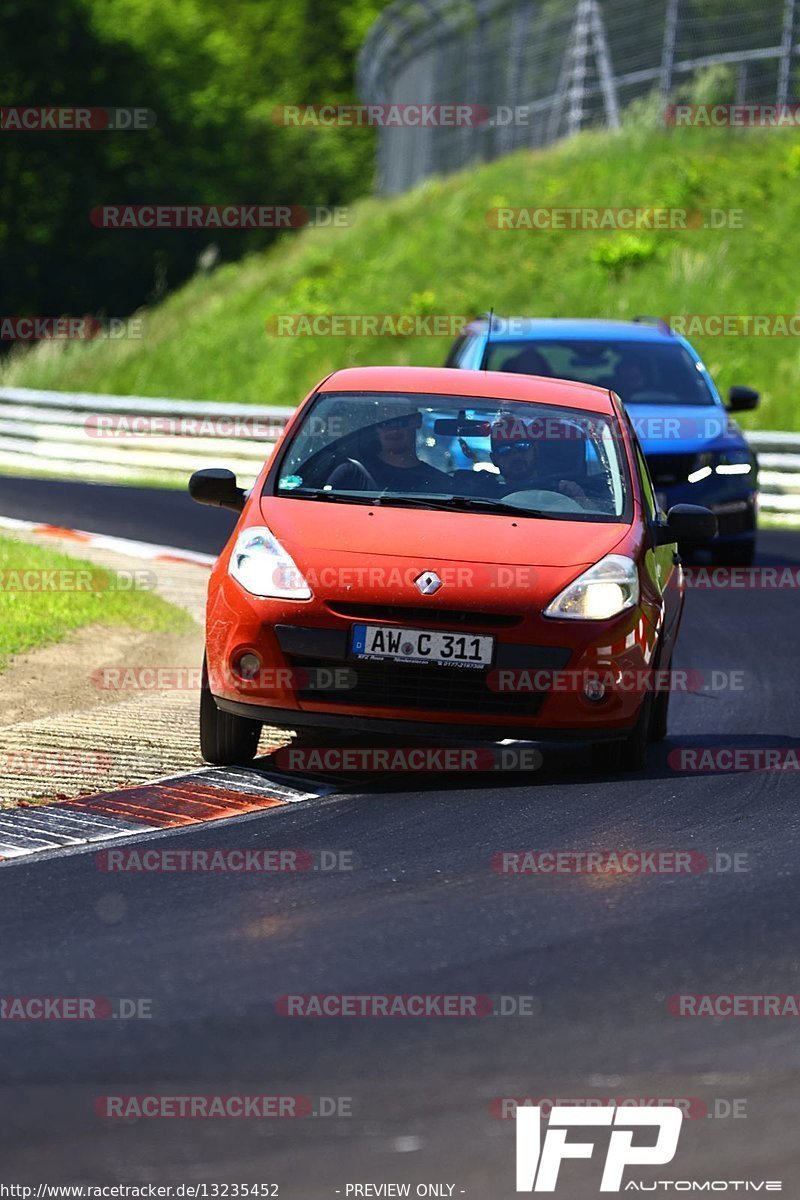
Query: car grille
x,y
430,616
735,522
666,469
405,685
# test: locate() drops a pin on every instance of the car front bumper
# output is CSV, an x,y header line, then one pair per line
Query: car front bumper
x,y
313,680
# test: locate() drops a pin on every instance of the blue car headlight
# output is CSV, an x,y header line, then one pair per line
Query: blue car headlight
x,y
702,467
735,461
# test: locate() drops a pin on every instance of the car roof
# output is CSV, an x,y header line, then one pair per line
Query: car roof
x,y
523,328
487,385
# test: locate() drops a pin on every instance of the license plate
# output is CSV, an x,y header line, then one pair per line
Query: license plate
x,y
422,646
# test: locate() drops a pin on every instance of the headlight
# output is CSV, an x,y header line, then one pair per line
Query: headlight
x,y
606,589
702,467
734,462
262,566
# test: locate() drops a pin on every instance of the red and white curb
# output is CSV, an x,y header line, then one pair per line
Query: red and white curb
x,y
194,798
102,541
197,798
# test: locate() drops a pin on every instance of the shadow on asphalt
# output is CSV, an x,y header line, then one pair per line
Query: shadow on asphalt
x,y
562,764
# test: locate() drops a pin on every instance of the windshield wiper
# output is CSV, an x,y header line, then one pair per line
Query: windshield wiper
x,y
482,503
437,503
323,494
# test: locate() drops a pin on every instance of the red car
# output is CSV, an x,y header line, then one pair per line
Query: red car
x,y
535,595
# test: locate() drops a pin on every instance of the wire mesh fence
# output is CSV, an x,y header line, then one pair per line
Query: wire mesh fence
x,y
533,71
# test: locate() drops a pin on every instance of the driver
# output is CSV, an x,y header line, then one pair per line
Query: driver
x,y
515,452
528,361
396,466
630,378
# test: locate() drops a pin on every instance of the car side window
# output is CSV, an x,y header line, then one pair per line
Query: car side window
x,y
455,351
651,504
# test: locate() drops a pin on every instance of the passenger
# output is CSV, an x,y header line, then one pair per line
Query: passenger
x,y
630,378
529,361
516,452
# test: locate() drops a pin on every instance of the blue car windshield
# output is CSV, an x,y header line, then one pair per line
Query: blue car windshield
x,y
639,372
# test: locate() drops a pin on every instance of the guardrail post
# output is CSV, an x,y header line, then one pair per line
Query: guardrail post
x,y
787,46
668,48
608,83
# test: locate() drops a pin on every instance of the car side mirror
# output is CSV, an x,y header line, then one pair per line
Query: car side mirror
x,y
216,486
687,523
742,399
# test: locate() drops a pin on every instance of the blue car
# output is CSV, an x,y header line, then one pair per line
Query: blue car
x,y
696,452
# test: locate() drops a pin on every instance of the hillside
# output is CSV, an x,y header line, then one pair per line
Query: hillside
x,y
432,251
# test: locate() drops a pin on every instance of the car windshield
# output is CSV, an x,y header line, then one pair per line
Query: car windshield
x,y
639,372
457,453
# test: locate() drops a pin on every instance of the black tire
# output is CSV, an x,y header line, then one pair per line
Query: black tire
x,y
632,753
738,554
225,739
660,719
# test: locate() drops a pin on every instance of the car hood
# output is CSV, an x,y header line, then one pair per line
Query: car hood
x,y
682,428
306,527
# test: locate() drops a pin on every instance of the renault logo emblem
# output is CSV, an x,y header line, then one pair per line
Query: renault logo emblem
x,y
428,582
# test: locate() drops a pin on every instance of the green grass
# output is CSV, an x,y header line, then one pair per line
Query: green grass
x,y
34,616
430,251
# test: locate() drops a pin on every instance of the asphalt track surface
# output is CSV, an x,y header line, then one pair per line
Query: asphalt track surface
x,y
423,912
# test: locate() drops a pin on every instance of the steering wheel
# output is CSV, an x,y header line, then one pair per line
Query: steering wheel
x,y
544,499
352,475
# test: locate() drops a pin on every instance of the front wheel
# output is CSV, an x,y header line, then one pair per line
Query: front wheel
x,y
660,721
225,739
632,753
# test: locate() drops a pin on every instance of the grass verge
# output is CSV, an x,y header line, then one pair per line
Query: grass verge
x,y
432,250
45,595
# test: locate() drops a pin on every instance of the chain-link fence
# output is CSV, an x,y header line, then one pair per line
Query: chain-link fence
x,y
542,70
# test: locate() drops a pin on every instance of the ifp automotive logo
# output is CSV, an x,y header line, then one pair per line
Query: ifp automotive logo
x,y
538,1161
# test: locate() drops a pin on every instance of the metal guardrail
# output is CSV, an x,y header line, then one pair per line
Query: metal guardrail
x,y
60,433
129,438
779,471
